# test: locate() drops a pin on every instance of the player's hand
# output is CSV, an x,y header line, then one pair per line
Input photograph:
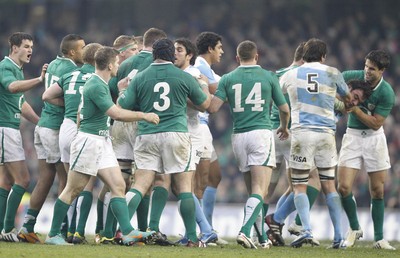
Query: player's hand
x,y
152,118
44,69
123,84
283,133
203,78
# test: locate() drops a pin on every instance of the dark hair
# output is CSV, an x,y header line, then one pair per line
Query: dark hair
x,y
314,50
380,58
164,49
152,35
298,53
89,52
361,85
207,39
16,39
104,56
190,48
68,43
246,50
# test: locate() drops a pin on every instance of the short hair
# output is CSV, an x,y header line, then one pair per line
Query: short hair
x,y
123,41
246,50
104,56
205,40
68,43
16,39
164,49
314,50
89,52
152,35
361,85
380,58
298,53
190,48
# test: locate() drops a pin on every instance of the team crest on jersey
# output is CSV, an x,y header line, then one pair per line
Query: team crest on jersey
x,y
371,106
299,158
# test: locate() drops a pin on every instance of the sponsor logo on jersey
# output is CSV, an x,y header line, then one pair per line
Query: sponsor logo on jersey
x,y
299,158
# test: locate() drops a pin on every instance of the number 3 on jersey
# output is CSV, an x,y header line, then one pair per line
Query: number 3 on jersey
x,y
164,88
254,98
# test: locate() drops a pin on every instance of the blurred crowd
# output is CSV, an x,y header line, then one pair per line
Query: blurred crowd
x,y
351,29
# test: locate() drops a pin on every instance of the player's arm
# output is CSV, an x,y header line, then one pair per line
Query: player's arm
x,y
120,114
24,85
215,105
54,95
374,121
29,114
204,88
284,117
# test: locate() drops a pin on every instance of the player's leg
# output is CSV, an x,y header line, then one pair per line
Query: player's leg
x,y
333,202
210,193
5,186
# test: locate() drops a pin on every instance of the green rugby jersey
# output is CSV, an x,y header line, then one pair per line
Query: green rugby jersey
x,y
72,85
10,103
275,119
96,101
130,67
249,90
380,102
52,115
163,89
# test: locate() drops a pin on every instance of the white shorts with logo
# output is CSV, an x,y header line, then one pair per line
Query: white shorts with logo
x,y
309,148
124,135
366,147
254,148
209,150
68,131
90,153
168,152
197,143
11,148
47,144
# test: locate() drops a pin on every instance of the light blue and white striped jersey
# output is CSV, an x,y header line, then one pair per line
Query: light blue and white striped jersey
x,y
192,114
205,69
312,90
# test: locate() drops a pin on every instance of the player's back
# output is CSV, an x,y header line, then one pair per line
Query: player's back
x,y
164,89
53,115
312,89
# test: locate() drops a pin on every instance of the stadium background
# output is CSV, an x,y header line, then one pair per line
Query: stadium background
x,y
351,29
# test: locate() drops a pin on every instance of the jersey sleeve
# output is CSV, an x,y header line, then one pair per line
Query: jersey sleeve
x,y
196,95
221,90
102,99
128,98
277,95
385,104
7,77
342,88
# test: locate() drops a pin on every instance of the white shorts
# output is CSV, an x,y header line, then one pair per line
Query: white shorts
x,y
209,150
47,144
11,148
68,131
254,148
282,148
90,153
168,152
366,147
124,135
197,143
309,148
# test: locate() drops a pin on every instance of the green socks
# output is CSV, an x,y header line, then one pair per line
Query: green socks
x,y
14,199
378,212
187,210
158,201
350,207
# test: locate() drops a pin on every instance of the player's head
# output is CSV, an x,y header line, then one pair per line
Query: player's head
x,y
139,41
299,52
314,50
376,63
126,46
89,52
185,53
106,59
164,49
72,47
247,51
151,36
21,47
360,91
210,43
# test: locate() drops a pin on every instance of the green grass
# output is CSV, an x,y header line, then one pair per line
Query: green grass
x,y
363,249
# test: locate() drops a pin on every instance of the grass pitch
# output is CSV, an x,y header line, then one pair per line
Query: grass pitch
x,y
363,249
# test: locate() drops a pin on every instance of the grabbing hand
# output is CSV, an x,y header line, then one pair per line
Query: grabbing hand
x,y
152,118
